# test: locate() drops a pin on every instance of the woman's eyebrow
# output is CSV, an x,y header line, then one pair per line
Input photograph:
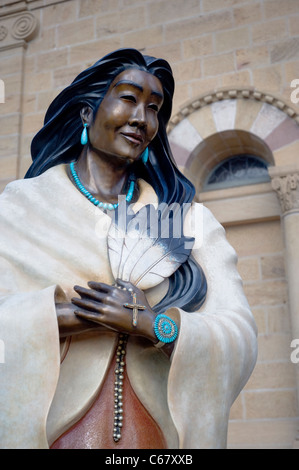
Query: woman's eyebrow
x,y
139,87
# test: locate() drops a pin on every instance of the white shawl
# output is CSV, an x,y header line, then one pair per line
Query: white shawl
x,y
51,238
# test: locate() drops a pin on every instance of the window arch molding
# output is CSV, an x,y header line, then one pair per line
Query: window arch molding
x,y
246,94
218,148
223,123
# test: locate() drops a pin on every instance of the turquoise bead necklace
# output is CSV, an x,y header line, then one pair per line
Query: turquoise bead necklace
x,y
96,202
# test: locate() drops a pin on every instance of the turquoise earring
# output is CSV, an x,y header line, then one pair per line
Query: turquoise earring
x,y
84,135
144,156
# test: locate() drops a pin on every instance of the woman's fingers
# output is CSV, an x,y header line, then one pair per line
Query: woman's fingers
x,y
111,306
126,285
99,296
100,286
88,315
114,296
89,305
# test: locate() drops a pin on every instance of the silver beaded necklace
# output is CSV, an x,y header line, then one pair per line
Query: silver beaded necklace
x,y
118,386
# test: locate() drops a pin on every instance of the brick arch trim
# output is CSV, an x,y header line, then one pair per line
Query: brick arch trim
x,y
259,113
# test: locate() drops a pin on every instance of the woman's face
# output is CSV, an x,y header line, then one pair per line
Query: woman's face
x,y
127,119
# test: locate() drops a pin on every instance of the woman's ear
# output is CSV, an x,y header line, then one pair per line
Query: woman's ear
x,y
86,114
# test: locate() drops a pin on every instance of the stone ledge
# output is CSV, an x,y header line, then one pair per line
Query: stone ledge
x,y
9,7
236,208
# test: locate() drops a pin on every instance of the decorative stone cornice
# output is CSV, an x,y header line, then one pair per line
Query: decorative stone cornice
x,y
285,182
231,94
17,29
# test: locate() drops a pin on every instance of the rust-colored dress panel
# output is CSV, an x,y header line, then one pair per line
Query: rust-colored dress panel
x,y
95,429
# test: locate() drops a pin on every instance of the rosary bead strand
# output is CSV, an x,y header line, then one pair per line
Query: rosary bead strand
x,y
118,387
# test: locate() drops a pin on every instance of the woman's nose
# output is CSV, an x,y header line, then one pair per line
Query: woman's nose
x,y
138,118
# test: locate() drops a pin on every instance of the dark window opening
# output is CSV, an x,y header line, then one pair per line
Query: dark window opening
x,y
238,170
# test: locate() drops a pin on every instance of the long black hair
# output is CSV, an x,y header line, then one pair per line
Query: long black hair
x,y
59,142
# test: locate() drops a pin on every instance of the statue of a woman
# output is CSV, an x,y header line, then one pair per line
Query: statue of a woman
x,y
116,335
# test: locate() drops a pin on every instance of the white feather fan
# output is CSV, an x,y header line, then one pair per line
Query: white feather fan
x,y
143,250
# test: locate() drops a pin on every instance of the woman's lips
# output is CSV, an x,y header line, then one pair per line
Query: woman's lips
x,y
134,138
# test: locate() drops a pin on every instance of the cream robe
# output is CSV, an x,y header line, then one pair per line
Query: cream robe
x,y
51,238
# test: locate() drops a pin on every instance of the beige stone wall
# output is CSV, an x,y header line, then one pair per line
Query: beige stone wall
x,y
212,45
265,413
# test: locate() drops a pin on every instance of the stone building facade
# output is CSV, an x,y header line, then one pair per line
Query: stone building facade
x,y
236,63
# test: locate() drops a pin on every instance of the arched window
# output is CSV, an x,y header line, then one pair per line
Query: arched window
x,y
238,170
